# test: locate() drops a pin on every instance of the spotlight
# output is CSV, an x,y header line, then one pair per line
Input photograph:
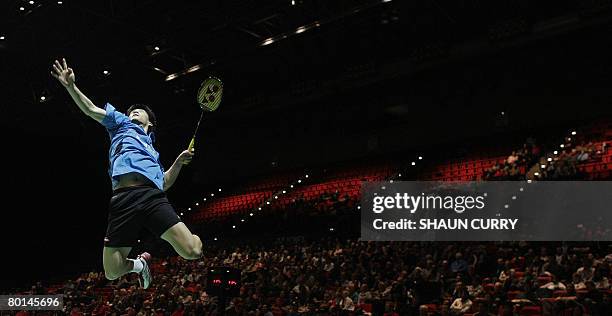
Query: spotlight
x,y
212,194
413,163
219,189
391,181
284,191
250,214
555,152
43,98
399,175
189,209
536,174
156,48
233,226
331,229
542,166
181,214
242,220
31,2
291,186
358,207
106,72
138,239
573,132
306,176
268,202
60,2
215,239
276,196
549,159
561,145
2,38
259,208
204,199
21,8
300,181
420,157
197,204
267,42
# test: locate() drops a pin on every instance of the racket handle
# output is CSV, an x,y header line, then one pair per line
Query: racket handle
x,y
191,144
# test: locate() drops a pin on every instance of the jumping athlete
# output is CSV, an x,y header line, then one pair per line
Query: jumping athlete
x,y
138,182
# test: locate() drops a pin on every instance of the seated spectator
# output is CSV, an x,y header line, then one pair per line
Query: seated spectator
x,y
461,305
554,285
512,158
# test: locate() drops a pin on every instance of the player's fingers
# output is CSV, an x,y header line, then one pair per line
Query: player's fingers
x,y
57,70
57,63
70,70
54,75
65,64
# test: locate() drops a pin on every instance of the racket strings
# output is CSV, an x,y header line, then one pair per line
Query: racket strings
x,y
210,93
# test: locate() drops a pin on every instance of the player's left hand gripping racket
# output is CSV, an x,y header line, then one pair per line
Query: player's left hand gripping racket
x,y
209,99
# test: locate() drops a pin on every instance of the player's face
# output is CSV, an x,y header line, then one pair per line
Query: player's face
x,y
139,115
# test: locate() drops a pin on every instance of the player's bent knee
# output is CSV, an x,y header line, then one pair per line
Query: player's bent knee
x,y
197,252
192,253
193,249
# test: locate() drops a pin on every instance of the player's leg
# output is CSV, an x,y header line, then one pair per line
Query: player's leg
x,y
186,244
124,224
115,262
162,221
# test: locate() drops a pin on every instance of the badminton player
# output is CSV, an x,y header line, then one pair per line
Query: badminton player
x,y
138,182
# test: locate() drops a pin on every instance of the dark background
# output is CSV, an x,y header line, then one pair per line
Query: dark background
x,y
373,80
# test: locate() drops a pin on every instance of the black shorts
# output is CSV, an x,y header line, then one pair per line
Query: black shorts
x,y
134,208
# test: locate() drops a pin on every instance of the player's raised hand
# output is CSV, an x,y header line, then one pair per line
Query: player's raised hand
x,y
185,157
63,73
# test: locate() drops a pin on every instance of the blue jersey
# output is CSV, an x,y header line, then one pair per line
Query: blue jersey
x,y
131,149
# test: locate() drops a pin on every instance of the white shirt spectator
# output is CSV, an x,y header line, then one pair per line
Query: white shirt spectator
x,y
585,275
553,286
461,306
347,304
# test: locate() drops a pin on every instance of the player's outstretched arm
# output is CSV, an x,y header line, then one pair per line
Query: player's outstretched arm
x,y
183,159
65,75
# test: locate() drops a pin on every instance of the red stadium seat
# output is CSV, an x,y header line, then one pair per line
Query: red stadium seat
x,y
531,310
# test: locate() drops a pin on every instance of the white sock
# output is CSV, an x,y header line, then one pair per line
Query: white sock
x,y
138,266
